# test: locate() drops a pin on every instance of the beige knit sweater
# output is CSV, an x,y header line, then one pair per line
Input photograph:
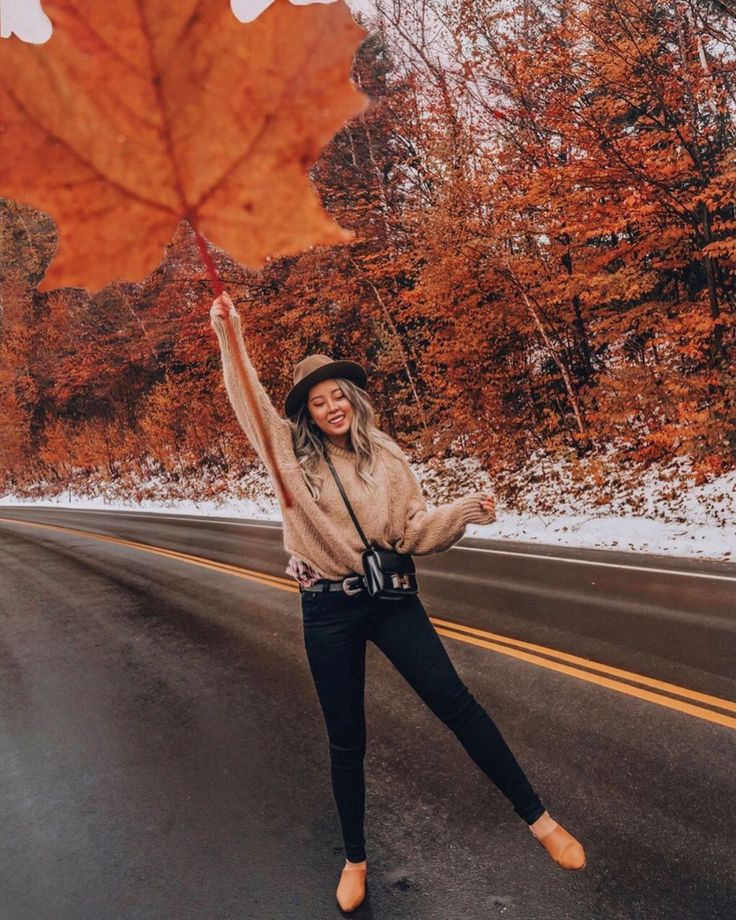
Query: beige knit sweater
x,y
322,533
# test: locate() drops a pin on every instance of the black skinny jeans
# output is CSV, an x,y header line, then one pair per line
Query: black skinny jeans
x,y
336,628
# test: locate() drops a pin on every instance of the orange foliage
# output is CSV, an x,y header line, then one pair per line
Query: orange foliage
x,y
544,260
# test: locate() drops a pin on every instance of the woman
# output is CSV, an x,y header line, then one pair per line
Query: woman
x,y
329,414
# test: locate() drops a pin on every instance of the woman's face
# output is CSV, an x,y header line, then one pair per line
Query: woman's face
x,y
330,408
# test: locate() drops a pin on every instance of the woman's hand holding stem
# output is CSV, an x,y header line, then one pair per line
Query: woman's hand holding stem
x,y
223,307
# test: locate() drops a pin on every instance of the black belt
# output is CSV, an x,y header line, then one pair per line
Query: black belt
x,y
351,584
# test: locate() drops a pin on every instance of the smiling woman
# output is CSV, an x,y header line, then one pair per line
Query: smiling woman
x,y
331,410
385,494
331,427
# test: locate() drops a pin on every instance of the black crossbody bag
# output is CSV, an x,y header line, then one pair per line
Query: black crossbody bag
x,y
388,575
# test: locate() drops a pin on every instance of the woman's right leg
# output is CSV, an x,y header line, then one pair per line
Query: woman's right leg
x,y
403,631
334,638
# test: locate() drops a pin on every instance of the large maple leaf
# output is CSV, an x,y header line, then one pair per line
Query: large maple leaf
x,y
136,114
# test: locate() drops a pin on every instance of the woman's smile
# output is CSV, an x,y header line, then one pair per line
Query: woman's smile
x,y
331,410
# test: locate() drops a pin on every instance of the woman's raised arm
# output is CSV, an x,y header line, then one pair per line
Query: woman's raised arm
x,y
223,311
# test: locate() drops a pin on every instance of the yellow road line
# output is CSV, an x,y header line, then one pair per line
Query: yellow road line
x,y
591,665
505,645
274,581
700,712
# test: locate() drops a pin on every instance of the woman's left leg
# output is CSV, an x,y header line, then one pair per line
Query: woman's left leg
x,y
404,633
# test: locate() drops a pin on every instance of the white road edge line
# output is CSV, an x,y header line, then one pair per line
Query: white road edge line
x,y
156,515
608,565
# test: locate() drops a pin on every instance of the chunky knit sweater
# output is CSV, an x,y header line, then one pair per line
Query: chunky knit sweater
x,y
322,533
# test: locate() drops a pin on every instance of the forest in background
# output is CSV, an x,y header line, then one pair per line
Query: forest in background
x,y
543,197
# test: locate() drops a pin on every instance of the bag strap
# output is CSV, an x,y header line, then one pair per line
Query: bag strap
x,y
345,499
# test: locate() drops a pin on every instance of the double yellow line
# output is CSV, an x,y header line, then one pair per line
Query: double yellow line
x,y
275,581
671,695
691,702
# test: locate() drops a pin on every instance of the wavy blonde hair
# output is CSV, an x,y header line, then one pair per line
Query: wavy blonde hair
x,y
364,436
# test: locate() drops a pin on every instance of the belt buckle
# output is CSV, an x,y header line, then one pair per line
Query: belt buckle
x,y
355,590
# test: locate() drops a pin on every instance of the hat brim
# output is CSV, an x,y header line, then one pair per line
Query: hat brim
x,y
298,393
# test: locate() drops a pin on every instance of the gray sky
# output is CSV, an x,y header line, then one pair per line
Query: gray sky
x,y
26,19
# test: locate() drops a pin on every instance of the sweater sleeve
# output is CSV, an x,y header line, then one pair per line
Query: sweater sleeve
x,y
276,426
437,529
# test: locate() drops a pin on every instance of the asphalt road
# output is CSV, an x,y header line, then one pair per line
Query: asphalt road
x,y
163,755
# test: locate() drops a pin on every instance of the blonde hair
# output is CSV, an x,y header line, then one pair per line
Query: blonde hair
x,y
364,436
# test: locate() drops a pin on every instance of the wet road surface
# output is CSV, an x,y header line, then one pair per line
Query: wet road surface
x,y
163,755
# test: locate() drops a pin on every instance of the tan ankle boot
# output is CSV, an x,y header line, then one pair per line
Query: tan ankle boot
x,y
564,849
351,887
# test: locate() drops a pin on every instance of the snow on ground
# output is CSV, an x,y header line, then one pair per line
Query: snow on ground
x,y
632,534
662,512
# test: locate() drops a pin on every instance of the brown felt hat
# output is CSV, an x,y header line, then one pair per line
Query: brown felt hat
x,y
315,368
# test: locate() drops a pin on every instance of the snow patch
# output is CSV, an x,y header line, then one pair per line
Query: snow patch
x,y
659,511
